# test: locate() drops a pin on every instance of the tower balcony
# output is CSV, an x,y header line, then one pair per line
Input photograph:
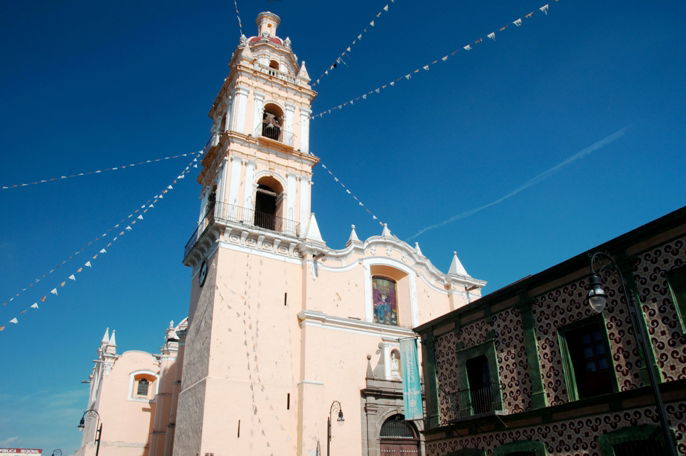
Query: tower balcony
x,y
241,217
274,132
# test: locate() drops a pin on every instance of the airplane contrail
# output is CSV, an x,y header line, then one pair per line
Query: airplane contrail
x,y
530,183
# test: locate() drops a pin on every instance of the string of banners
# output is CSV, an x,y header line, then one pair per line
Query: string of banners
x,y
238,17
349,192
464,49
97,171
123,227
346,52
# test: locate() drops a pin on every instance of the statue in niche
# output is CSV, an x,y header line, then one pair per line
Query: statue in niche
x,y
395,365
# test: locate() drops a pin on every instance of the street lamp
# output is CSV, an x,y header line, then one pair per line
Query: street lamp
x,y
90,413
334,405
597,300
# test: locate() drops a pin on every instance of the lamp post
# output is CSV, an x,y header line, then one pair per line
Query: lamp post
x,y
597,299
334,405
90,413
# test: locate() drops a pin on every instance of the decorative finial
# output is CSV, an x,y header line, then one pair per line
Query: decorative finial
x,y
417,249
353,236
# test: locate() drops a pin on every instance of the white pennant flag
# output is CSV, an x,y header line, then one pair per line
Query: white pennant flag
x,y
128,228
385,8
54,291
468,47
34,305
371,23
359,37
392,83
169,187
408,76
426,67
87,264
140,217
364,97
103,251
491,36
444,58
377,90
544,8
14,320
72,277
518,22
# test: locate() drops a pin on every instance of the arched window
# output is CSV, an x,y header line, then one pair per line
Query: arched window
x,y
268,204
274,64
398,437
142,387
385,300
272,122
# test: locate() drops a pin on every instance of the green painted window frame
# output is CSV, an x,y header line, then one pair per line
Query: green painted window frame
x,y
678,295
568,366
629,434
486,349
468,452
537,447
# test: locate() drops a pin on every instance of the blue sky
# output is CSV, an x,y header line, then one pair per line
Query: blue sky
x,y
503,129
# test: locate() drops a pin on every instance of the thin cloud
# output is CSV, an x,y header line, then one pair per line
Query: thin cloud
x,y
530,183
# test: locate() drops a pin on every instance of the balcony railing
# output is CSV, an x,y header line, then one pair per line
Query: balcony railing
x,y
273,132
223,213
474,401
276,73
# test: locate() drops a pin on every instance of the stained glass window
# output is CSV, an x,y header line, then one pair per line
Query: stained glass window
x,y
385,302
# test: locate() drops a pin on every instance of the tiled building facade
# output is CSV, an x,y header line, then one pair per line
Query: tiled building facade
x,y
531,369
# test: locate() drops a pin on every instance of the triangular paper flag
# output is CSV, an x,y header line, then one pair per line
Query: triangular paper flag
x,y
72,277
54,291
426,67
468,48
14,320
491,36
103,251
88,264
385,8
62,284
128,228
544,8
43,298
518,22
34,305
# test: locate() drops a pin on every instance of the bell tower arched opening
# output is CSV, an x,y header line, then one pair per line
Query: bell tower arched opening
x,y
268,207
272,122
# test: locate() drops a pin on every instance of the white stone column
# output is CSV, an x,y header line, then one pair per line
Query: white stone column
x,y
241,109
229,113
220,210
249,193
305,189
288,124
413,299
368,305
257,114
234,187
305,130
291,192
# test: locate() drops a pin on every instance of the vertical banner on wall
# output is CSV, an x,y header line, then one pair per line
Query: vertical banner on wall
x,y
412,387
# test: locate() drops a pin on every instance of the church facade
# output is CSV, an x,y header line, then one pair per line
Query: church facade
x,y
290,346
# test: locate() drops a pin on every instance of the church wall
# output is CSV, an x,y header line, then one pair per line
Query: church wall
x,y
196,361
335,370
127,422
